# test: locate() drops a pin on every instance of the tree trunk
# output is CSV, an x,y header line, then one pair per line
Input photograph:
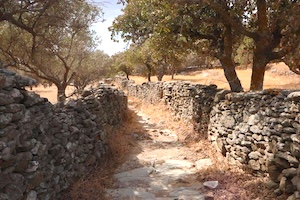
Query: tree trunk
x,y
61,93
258,71
247,60
160,77
230,74
228,63
149,76
262,50
161,72
172,72
127,76
149,69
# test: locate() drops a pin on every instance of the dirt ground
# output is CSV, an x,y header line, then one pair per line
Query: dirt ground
x,y
277,76
49,92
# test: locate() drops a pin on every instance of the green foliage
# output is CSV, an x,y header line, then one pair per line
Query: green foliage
x,y
218,28
199,59
52,41
94,67
173,30
123,62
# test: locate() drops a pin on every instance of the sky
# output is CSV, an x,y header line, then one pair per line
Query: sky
x,y
111,10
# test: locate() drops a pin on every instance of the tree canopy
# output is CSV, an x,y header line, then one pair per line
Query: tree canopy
x,y
219,27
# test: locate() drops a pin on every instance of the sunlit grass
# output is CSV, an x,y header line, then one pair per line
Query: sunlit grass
x,y
216,76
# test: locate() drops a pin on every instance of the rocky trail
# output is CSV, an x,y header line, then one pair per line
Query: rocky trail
x,y
160,167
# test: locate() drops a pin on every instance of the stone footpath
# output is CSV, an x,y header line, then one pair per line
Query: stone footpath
x,y
159,168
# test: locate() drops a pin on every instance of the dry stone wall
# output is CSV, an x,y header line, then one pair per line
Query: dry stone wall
x,y
44,147
189,102
261,130
257,129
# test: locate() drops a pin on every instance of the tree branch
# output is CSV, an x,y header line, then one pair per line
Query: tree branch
x,y
225,16
13,21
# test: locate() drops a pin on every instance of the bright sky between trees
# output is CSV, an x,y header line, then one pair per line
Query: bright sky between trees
x,y
111,10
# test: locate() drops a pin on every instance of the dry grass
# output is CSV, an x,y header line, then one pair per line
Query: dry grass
x,y
277,76
235,182
161,115
50,92
93,184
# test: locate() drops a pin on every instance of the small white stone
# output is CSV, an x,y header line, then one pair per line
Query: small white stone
x,y
211,184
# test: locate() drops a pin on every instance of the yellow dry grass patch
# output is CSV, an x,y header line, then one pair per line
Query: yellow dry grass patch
x,y
216,76
50,92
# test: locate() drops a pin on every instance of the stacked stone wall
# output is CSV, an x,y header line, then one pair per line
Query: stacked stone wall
x,y
189,102
43,147
260,130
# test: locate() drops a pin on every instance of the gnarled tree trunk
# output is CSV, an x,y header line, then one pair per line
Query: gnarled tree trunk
x,y
230,74
258,71
227,62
